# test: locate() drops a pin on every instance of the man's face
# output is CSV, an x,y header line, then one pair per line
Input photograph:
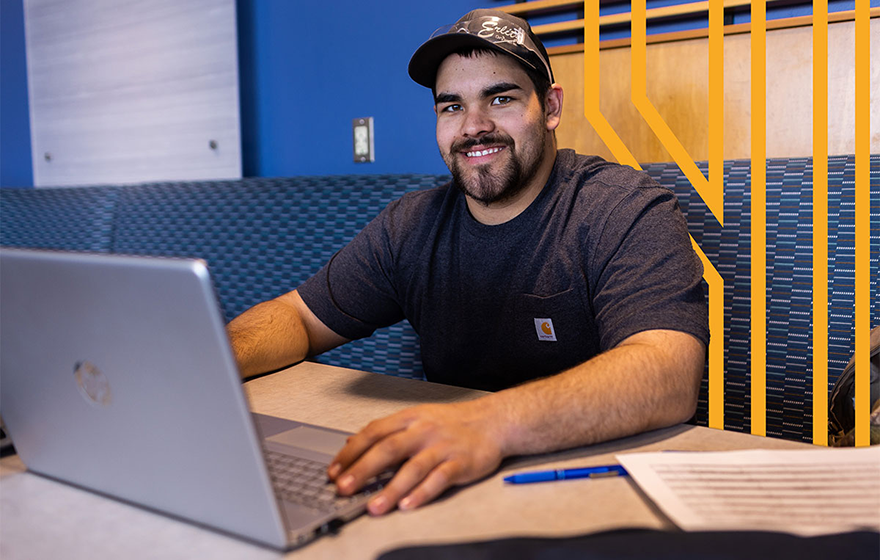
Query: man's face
x,y
491,129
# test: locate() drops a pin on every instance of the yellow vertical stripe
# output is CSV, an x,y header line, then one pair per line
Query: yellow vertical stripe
x,y
863,223
716,108
716,339
716,200
820,222
759,218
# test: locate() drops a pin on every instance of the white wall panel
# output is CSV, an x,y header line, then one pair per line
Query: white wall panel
x,y
127,91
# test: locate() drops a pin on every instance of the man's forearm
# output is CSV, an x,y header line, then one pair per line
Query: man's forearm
x,y
646,383
649,381
268,336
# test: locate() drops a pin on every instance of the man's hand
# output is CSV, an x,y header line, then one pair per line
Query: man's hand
x,y
439,445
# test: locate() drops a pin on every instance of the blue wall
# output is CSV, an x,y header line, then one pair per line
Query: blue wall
x,y
307,71
15,136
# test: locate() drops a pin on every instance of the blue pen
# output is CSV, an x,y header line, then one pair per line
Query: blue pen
x,y
562,474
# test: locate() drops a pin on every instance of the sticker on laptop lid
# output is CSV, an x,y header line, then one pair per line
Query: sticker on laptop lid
x,y
92,383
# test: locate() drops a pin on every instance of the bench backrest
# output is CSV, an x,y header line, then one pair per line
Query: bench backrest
x,y
262,237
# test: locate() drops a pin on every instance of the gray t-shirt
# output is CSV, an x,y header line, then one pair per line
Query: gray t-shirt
x,y
601,254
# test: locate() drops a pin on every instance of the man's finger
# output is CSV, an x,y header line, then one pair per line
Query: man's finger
x,y
359,443
384,454
438,480
408,477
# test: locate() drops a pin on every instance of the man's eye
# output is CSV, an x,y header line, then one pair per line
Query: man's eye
x,y
502,100
450,108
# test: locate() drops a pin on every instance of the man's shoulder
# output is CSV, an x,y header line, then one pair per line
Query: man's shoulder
x,y
598,187
586,170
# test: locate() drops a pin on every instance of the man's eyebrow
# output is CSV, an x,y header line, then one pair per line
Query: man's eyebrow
x,y
446,98
494,89
501,87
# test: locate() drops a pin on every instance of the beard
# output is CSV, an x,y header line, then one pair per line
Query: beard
x,y
498,181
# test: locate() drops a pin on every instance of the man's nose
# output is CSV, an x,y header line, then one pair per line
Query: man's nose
x,y
476,123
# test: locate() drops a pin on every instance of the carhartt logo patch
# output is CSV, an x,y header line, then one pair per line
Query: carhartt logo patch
x,y
544,328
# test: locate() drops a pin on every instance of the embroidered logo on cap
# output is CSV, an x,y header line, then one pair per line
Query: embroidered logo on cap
x,y
544,328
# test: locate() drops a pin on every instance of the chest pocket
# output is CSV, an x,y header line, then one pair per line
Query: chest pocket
x,y
552,333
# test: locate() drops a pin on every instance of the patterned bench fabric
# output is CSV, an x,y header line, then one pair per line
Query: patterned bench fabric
x,y
263,237
789,281
79,219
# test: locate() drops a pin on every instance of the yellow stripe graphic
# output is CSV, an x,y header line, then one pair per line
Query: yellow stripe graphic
x,y
716,201
716,108
820,222
592,111
863,223
655,121
716,342
711,191
759,218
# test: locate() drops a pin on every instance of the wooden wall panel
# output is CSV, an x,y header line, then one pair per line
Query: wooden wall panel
x,y
678,87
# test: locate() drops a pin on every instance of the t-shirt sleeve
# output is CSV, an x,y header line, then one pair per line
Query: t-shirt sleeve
x,y
354,293
647,273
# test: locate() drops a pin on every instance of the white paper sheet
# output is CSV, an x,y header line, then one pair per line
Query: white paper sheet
x,y
807,492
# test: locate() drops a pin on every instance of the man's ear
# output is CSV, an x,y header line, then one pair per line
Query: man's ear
x,y
553,106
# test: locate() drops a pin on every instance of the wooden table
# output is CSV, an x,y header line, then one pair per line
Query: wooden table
x,y
41,518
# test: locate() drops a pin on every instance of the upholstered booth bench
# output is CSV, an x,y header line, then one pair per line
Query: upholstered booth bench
x,y
262,237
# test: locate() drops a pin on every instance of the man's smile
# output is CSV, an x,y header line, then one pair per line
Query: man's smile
x,y
481,154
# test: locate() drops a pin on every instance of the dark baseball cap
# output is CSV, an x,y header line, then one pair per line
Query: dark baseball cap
x,y
488,29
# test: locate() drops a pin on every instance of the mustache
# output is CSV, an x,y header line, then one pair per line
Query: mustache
x,y
468,143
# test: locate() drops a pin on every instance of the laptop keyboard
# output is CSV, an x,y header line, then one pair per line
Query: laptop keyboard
x,y
304,482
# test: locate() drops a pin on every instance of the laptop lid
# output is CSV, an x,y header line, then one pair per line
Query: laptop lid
x,y
116,375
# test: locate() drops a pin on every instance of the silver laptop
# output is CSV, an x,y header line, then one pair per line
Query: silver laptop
x,y
116,375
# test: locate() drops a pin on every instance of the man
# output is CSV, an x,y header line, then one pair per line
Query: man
x,y
565,283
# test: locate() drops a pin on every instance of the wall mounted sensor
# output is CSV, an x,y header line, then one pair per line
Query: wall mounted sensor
x,y
363,140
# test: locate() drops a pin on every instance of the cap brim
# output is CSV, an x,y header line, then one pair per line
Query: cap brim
x,y
426,60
